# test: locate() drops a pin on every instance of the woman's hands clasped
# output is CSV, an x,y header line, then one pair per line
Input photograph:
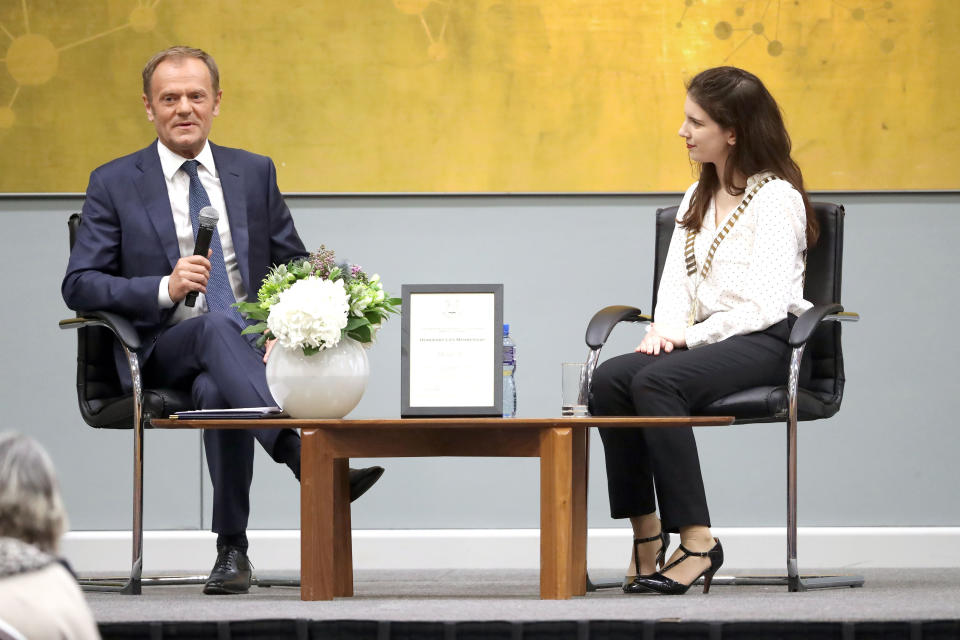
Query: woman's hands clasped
x,y
661,339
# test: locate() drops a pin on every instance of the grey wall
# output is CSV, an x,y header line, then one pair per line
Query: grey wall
x,y
888,458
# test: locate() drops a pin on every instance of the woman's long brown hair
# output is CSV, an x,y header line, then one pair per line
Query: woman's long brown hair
x,y
736,99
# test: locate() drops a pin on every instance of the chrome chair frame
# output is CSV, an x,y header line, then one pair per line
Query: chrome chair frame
x,y
127,337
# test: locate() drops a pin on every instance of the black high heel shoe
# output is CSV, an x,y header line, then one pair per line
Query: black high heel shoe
x,y
659,583
664,539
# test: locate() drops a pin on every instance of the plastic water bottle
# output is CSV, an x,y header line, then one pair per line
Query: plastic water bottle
x,y
509,368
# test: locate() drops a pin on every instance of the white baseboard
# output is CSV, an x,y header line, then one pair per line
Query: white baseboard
x,y
833,548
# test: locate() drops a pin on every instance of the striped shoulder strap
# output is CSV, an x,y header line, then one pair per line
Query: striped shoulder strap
x,y
688,254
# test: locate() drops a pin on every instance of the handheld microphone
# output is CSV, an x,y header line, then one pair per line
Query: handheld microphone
x,y
206,227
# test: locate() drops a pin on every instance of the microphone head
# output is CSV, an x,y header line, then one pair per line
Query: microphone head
x,y
208,217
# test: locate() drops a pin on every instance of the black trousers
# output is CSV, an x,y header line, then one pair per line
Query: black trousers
x,y
222,369
663,461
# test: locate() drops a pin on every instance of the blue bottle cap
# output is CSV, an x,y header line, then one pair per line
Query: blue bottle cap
x,y
506,329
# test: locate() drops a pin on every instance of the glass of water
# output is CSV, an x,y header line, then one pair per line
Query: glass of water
x,y
573,373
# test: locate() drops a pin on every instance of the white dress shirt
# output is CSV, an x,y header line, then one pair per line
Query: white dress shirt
x,y
757,273
178,189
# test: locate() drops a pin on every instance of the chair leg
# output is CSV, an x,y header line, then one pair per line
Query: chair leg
x,y
796,582
136,569
132,585
592,586
793,573
589,367
595,586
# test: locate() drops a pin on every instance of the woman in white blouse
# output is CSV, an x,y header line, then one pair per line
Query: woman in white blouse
x,y
720,325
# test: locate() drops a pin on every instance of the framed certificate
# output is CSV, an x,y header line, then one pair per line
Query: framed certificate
x,y
452,350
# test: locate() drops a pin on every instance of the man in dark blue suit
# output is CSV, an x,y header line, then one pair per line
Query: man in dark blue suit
x,y
134,256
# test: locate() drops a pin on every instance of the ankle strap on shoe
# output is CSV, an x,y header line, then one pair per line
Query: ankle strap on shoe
x,y
636,545
686,554
699,554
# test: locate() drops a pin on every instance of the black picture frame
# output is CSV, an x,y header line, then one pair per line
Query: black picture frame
x,y
492,361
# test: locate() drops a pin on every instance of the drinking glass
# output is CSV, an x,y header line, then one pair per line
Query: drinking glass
x,y
573,373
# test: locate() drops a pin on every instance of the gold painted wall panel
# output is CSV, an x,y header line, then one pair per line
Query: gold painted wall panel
x,y
486,95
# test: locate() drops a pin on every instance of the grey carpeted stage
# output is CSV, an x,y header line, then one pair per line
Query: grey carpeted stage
x,y
889,595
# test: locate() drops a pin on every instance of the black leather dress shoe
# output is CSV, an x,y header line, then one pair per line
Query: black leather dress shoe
x,y
231,572
363,479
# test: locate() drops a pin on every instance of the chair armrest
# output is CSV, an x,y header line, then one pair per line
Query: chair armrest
x,y
805,325
120,326
603,322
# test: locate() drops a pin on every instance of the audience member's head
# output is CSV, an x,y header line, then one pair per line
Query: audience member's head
x,y
30,506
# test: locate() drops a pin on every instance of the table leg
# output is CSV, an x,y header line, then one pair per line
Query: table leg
x,y
556,505
578,566
317,518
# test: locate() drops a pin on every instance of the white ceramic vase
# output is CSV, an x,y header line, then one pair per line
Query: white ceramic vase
x,y
328,384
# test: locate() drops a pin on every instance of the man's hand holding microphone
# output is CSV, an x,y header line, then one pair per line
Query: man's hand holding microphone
x,y
190,274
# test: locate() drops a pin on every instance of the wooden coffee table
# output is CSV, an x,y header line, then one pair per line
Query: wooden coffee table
x,y
326,558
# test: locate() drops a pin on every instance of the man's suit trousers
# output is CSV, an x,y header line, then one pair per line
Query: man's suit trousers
x,y
207,355
663,461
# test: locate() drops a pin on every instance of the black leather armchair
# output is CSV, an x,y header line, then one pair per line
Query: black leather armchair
x,y
816,333
105,405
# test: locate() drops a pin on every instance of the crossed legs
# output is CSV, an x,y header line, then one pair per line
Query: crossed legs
x,y
208,355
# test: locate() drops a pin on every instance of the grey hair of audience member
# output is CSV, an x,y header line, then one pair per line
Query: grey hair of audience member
x,y
30,506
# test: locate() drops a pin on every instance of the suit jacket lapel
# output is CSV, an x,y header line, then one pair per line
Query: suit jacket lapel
x,y
153,192
235,197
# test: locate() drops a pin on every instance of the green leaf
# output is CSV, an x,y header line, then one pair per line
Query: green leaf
x,y
361,334
259,315
309,351
390,305
355,322
260,327
252,310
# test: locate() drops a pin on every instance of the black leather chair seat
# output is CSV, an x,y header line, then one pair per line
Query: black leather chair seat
x,y
769,404
117,412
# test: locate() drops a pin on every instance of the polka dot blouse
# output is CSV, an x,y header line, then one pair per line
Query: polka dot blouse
x,y
757,273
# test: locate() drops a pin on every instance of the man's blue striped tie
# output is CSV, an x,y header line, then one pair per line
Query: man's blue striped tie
x,y
219,294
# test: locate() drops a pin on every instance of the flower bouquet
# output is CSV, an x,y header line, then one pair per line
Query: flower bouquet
x,y
312,303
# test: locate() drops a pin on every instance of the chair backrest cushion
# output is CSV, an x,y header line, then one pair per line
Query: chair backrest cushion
x,y
103,401
98,385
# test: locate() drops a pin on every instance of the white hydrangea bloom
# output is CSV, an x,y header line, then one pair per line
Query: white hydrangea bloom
x,y
311,313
